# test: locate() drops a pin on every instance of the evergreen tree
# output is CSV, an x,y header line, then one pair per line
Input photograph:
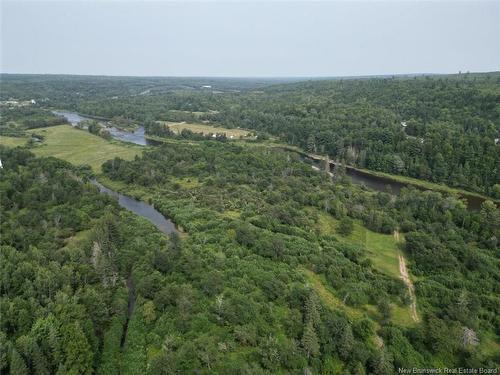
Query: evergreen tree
x,y
17,364
310,342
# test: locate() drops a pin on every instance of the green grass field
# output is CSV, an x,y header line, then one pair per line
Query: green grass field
x,y
13,141
81,147
177,127
194,113
382,248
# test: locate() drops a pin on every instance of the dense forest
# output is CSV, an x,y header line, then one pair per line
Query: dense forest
x,y
443,129
277,267
235,295
438,129
66,253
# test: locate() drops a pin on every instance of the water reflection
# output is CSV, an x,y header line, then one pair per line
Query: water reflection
x,y
140,208
137,137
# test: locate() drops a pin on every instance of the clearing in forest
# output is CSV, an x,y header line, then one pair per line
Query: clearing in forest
x,y
177,127
81,147
328,298
405,276
13,141
382,249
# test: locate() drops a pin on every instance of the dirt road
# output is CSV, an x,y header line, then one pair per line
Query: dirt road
x,y
403,271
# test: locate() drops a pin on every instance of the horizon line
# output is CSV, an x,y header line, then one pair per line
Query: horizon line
x,y
252,76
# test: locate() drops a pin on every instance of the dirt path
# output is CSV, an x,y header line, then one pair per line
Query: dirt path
x,y
403,271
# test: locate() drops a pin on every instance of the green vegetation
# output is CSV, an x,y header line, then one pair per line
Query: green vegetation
x,y
427,185
66,251
382,248
440,129
279,268
177,128
276,224
80,147
328,298
13,141
15,120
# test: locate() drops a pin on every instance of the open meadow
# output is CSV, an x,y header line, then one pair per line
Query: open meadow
x,y
13,141
177,127
76,146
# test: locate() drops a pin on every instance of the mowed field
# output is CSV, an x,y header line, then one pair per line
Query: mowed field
x,y
205,129
13,141
78,146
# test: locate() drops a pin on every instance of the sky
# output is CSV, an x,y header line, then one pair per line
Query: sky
x,y
249,39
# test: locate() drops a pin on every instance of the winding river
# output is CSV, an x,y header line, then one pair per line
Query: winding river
x,y
140,208
387,185
137,137
358,177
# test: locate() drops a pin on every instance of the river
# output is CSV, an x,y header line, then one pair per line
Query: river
x,y
358,177
137,137
140,208
387,185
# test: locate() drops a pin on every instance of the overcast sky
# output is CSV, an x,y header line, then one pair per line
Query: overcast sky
x,y
249,38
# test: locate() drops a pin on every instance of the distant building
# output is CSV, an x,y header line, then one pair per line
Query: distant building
x,y
206,87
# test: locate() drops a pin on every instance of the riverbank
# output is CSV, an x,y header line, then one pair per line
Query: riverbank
x,y
361,175
373,179
404,180
65,112
138,206
81,147
426,185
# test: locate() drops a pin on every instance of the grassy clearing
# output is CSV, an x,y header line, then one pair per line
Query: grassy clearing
x,y
78,239
401,315
490,344
333,302
177,127
13,141
186,183
81,147
194,113
328,298
382,248
232,214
